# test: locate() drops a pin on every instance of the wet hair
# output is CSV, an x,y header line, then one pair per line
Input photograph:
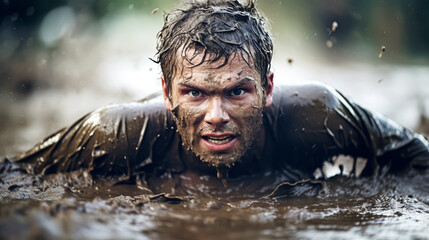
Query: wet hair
x,y
218,29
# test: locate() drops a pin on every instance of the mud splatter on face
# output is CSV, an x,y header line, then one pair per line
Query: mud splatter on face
x,y
218,107
188,122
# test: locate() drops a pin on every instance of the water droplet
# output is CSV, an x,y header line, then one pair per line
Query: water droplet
x,y
98,153
334,26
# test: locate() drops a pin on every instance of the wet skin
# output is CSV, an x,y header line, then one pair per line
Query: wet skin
x,y
218,111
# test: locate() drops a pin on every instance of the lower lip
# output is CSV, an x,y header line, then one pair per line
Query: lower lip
x,y
219,147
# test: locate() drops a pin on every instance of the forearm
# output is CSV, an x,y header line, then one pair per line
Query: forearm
x,y
396,147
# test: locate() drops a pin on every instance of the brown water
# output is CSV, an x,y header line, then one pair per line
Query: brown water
x,y
79,207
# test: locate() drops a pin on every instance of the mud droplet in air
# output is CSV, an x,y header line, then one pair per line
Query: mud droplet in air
x,y
383,49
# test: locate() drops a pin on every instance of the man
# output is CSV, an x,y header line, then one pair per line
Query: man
x,y
224,119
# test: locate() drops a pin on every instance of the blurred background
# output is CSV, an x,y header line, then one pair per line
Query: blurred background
x,y
60,59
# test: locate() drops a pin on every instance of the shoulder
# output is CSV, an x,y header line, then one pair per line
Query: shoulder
x,y
308,113
128,114
144,107
311,100
310,123
140,122
306,95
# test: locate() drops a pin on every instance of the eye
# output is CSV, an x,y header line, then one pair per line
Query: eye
x,y
237,92
194,93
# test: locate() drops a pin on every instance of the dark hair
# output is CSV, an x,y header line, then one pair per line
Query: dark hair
x,y
218,29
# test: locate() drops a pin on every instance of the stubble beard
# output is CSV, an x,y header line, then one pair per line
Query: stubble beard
x,y
247,136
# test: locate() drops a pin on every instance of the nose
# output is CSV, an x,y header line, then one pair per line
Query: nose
x,y
216,114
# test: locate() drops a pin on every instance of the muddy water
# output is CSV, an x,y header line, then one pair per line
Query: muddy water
x,y
76,206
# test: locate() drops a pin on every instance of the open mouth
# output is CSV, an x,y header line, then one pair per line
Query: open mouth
x,y
220,143
219,140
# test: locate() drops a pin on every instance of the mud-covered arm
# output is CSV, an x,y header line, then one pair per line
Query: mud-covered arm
x,y
396,147
118,140
315,123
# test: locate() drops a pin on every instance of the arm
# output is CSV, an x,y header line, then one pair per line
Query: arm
x,y
396,147
118,140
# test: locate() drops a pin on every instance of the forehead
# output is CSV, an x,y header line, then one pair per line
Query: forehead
x,y
197,68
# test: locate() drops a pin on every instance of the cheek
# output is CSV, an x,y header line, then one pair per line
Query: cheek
x,y
245,108
189,115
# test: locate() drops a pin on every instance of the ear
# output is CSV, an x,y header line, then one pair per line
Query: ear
x,y
269,89
167,102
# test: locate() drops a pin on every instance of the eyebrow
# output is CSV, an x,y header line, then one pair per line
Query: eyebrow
x,y
188,85
241,82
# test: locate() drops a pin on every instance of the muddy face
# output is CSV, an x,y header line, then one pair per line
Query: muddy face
x,y
218,111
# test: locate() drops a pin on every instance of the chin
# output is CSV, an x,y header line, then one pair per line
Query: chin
x,y
216,162
220,159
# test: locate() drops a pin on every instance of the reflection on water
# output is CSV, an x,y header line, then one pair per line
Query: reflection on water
x,y
76,206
